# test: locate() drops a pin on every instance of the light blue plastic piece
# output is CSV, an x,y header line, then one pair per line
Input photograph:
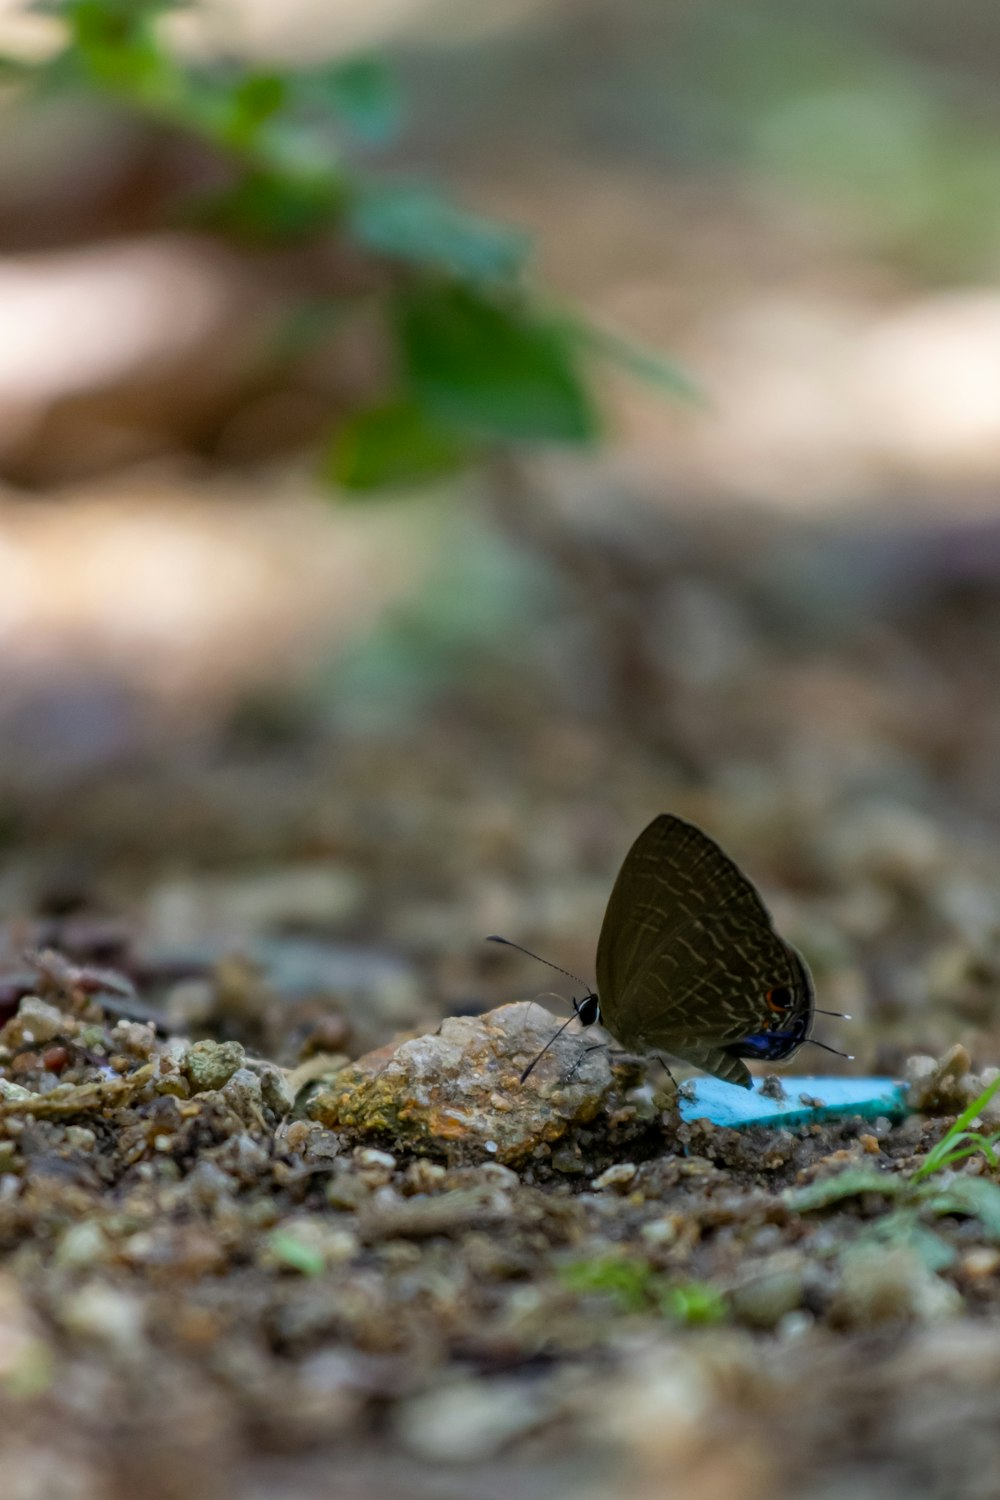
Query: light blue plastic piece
x,y
837,1098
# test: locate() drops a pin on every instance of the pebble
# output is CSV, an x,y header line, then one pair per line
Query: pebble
x,y
618,1176
470,1421
83,1244
210,1065
108,1315
768,1292
369,1157
881,1284
981,1263
14,1093
25,1356
36,1022
941,1086
660,1232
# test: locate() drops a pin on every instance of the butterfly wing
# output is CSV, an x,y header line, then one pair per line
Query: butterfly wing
x,y
688,958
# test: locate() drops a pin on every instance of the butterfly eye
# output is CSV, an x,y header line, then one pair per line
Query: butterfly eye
x,y
587,1009
779,999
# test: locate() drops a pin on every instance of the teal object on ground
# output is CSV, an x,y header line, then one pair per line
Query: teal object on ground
x,y
807,1101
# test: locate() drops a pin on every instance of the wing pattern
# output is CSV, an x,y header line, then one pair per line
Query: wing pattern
x,y
688,958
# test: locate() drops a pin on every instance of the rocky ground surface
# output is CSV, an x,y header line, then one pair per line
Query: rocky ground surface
x,y
413,1275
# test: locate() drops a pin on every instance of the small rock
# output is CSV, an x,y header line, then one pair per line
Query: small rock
x,y
939,1087
106,1315
462,1423
458,1093
136,1038
347,1192
769,1291
14,1092
980,1263
882,1284
25,1356
369,1157
244,1094
36,1022
83,1244
276,1091
662,1232
618,1176
210,1065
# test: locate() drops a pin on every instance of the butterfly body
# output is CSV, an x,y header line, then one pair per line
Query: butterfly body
x,y
689,963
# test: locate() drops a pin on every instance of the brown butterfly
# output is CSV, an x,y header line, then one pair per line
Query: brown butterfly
x,y
689,963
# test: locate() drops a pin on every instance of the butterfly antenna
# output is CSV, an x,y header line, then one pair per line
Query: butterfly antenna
x,y
554,1037
508,944
812,1042
841,1015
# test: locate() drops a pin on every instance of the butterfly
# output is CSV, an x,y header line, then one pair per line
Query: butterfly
x,y
689,963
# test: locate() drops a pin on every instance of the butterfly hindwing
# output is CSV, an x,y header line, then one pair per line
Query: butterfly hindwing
x,y
688,961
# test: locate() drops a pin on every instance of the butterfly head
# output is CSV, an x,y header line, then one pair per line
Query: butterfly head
x,y
588,1010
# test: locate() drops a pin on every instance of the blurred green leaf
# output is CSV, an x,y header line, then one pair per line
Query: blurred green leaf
x,y
646,364
295,1254
969,1197
850,1183
902,1227
116,45
627,1282
361,92
491,366
253,101
271,207
420,226
694,1303
398,443
16,70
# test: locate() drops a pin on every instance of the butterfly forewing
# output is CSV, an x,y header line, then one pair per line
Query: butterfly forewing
x,y
688,957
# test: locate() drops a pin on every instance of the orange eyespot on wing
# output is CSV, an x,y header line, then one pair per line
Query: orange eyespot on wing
x,y
779,999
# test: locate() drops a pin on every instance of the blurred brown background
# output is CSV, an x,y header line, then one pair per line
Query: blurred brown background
x,y
773,609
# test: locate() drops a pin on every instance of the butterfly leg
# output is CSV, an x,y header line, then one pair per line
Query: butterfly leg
x,y
594,1047
624,1057
666,1068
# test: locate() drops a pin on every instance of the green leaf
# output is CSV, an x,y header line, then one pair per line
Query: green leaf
x,y
901,1227
488,365
971,1197
694,1303
851,1183
272,207
118,46
398,443
17,69
361,92
295,1254
627,1282
421,227
646,364
941,1154
252,102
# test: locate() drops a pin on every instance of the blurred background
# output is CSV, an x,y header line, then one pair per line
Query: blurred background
x,y
351,610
